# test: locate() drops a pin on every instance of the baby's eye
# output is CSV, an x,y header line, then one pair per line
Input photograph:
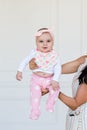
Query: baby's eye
x,y
48,40
40,41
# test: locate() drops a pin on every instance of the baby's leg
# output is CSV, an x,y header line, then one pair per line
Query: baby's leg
x,y
35,100
52,98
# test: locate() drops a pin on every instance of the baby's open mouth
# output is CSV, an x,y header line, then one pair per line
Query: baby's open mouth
x,y
44,47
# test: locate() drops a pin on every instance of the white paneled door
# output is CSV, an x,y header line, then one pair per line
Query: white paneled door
x,y
19,20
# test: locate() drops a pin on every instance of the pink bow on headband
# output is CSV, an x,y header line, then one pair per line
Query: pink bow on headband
x,y
39,33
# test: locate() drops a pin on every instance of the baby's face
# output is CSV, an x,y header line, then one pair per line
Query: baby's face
x,y
44,42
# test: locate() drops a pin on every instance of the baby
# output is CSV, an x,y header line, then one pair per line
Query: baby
x,y
46,75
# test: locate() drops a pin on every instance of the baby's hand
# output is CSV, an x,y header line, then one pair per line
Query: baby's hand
x,y
55,85
19,75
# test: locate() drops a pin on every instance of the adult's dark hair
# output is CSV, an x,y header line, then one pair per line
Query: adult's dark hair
x,y
83,76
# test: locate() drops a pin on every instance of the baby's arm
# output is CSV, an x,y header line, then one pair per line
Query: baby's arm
x,y
56,76
23,64
21,68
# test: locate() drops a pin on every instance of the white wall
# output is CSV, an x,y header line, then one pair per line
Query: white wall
x,y
18,22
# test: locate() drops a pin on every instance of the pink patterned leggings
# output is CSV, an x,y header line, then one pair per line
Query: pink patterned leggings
x,y
37,83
